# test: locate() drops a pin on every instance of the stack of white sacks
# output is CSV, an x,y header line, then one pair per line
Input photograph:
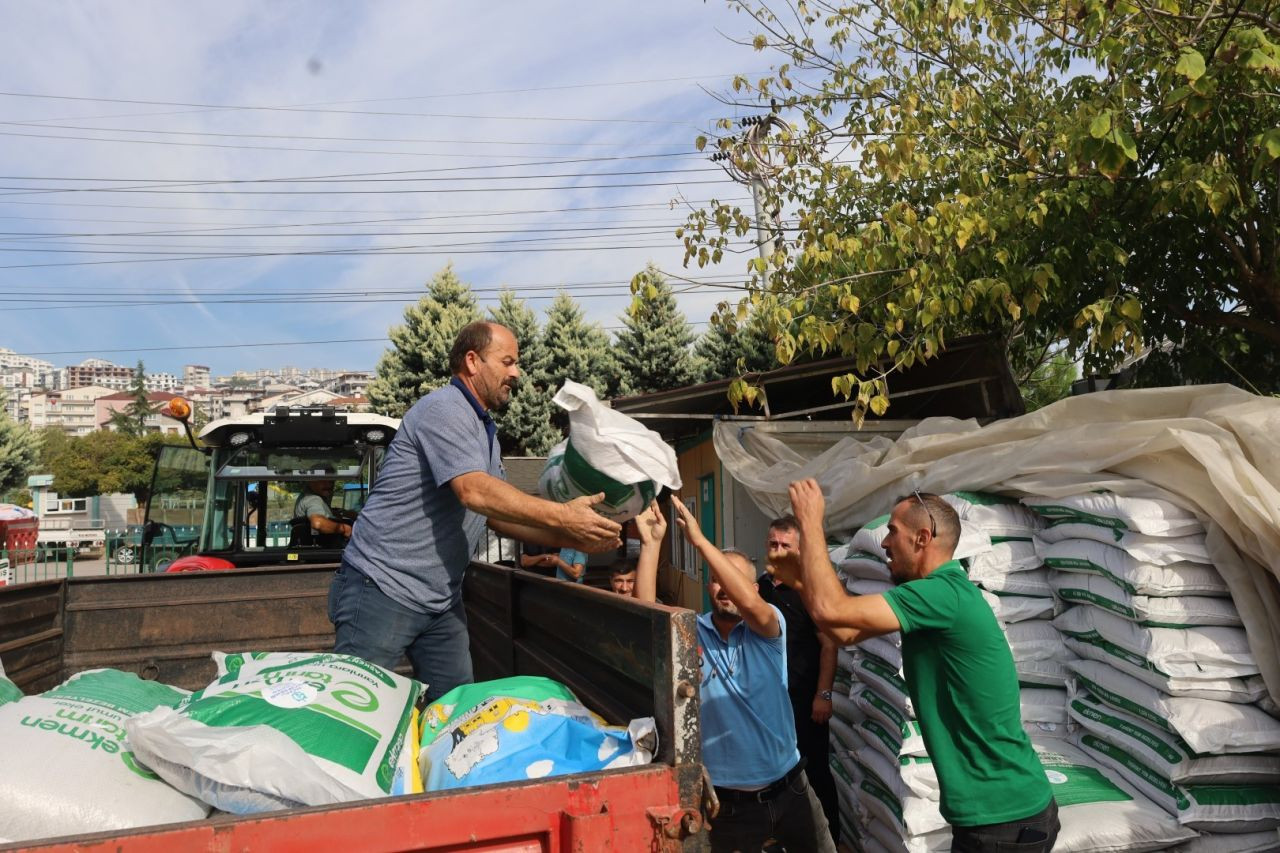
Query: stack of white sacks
x,y
888,790
1165,690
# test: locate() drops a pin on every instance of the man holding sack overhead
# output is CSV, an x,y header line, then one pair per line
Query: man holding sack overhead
x,y
957,664
399,588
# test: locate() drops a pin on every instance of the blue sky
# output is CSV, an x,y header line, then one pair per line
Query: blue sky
x,y
162,131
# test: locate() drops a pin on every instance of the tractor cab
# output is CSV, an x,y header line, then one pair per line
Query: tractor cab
x,y
235,499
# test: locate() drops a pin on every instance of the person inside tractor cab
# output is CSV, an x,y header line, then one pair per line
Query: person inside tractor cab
x,y
314,520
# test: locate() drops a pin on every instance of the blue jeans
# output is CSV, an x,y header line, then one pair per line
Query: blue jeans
x,y
372,626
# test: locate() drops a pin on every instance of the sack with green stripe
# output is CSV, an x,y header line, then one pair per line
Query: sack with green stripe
x,y
1166,753
1096,812
1117,513
606,452
1130,573
1190,653
1211,808
1207,725
995,515
1181,611
66,766
283,729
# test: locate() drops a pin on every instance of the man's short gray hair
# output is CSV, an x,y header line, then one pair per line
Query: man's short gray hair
x,y
473,337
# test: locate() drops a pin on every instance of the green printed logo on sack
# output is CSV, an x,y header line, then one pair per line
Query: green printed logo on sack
x,y
607,452
68,766
281,729
567,476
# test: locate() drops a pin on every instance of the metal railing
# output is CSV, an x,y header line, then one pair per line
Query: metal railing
x,y
25,565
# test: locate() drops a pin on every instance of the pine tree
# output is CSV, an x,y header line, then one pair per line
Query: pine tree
x,y
653,348
418,360
19,451
578,350
132,420
727,353
524,425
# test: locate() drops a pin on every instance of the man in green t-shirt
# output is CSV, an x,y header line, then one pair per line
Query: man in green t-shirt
x,y
956,661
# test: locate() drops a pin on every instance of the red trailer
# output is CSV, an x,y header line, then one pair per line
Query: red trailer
x,y
622,658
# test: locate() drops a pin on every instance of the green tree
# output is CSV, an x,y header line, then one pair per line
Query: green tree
x,y
578,350
1049,381
132,419
728,349
1094,172
418,360
653,348
525,425
19,451
99,463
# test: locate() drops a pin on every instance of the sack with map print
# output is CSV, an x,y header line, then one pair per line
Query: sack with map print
x,y
521,728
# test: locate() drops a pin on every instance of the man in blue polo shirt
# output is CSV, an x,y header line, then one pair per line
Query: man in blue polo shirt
x,y
748,735
399,588
956,661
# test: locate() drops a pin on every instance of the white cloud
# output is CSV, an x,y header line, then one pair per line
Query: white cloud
x,y
311,53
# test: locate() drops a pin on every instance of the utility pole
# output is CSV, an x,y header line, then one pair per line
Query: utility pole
x,y
759,166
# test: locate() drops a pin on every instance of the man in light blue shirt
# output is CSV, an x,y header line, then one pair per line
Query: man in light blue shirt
x,y
399,589
576,563
748,733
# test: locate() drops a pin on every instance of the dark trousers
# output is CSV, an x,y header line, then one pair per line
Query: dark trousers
x,y
1035,834
792,817
814,742
372,626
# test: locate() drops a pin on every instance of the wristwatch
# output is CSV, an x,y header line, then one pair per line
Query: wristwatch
x,y
824,694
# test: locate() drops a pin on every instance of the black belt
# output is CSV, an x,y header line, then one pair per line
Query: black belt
x,y
768,792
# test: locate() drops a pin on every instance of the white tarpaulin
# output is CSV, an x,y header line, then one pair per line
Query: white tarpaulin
x,y
1214,449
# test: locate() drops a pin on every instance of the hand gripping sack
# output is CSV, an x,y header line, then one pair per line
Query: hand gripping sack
x,y
66,766
520,728
607,452
283,729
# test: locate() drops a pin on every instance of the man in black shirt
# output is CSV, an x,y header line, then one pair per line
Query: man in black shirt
x,y
811,669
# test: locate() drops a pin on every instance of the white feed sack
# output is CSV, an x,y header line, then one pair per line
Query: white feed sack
x,y
858,565
1034,583
1182,611
66,766
1006,556
1191,653
1130,573
1267,841
869,537
607,452
1168,755
995,515
1211,808
1154,550
1019,608
1044,711
1117,515
1207,725
279,730
1096,812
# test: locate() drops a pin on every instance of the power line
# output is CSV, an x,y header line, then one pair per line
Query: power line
x,y
405,98
255,345
309,110
310,211
171,187
389,251
520,143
